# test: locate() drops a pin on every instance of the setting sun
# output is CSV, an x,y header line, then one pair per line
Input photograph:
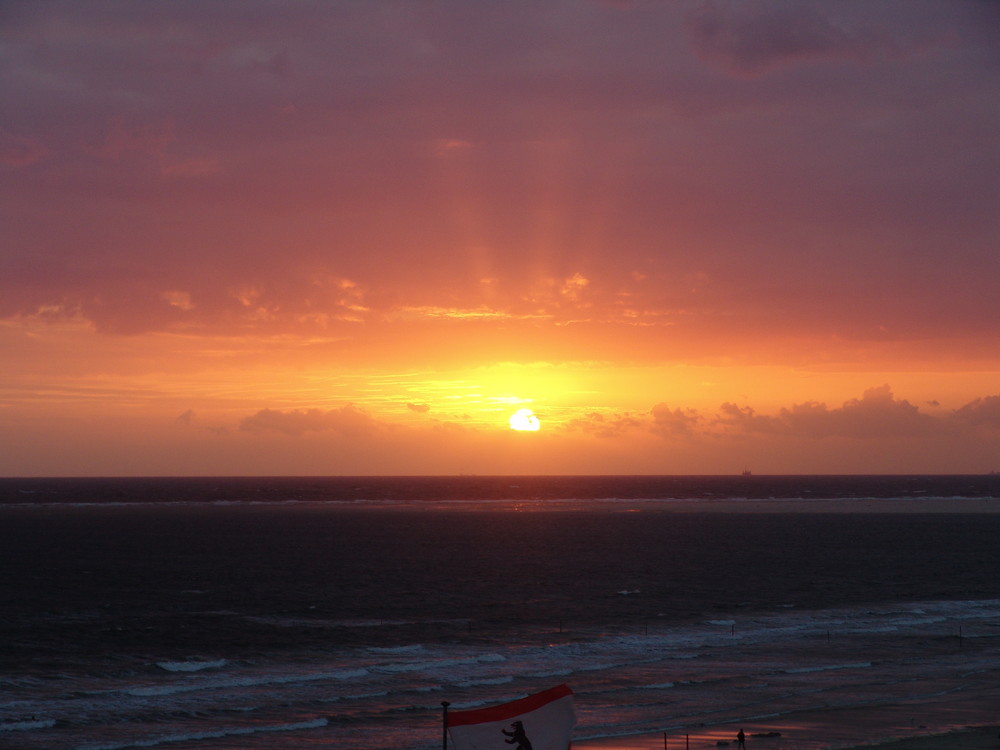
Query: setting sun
x,y
524,419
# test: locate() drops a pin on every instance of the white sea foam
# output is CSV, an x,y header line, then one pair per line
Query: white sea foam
x,y
464,705
396,649
26,724
246,681
829,668
190,666
215,734
489,681
434,664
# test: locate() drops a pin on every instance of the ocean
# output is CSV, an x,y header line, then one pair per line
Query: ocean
x,y
340,612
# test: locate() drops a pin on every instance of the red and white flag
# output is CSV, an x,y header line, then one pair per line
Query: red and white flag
x,y
543,721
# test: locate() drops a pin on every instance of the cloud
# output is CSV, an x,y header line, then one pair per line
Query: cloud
x,y
446,146
186,418
348,421
982,411
876,414
605,426
20,151
419,408
150,139
623,199
752,38
745,419
192,168
667,421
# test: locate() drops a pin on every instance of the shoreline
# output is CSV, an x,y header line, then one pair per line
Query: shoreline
x,y
969,738
944,722
977,737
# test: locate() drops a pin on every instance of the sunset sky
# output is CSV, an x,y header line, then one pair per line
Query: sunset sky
x,y
264,237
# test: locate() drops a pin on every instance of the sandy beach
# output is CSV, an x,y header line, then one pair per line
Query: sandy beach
x,y
941,723
972,738
950,505
965,738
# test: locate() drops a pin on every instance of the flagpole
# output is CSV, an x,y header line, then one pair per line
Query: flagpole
x,y
444,724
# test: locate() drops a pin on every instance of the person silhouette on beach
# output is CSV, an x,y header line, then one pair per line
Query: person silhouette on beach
x,y
741,740
518,736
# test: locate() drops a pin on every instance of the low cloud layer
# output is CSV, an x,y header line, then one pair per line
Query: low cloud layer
x,y
876,415
348,421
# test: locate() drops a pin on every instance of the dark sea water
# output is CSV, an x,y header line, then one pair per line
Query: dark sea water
x,y
339,613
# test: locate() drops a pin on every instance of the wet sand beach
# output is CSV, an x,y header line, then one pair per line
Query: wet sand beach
x,y
963,738
942,723
972,738
949,505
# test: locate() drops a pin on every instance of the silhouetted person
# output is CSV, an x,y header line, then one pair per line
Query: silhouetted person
x,y
741,740
518,736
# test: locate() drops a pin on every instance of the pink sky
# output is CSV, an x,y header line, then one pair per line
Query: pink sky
x,y
353,238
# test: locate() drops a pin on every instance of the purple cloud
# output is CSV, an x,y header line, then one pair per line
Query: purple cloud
x,y
752,38
982,411
667,421
877,414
